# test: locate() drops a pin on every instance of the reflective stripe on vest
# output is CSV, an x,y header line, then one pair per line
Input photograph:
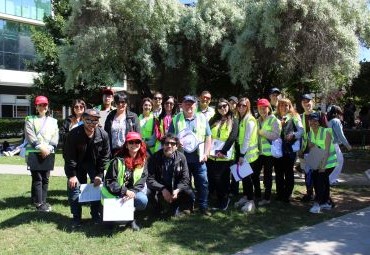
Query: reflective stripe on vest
x,y
265,144
252,152
319,141
222,133
120,177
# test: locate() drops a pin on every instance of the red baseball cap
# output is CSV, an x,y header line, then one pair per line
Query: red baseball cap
x,y
108,91
263,102
41,100
133,136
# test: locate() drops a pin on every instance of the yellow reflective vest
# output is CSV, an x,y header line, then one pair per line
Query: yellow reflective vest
x,y
319,141
252,153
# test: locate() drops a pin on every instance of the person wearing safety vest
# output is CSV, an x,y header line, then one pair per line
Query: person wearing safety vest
x,y
291,134
224,129
308,104
196,143
42,136
147,122
127,173
323,139
269,129
248,151
86,152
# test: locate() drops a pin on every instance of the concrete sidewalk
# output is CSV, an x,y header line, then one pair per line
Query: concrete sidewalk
x,y
22,169
349,234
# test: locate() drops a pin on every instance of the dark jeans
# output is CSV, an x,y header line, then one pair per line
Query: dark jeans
x,y
248,182
321,185
185,200
40,185
219,178
199,172
267,162
284,176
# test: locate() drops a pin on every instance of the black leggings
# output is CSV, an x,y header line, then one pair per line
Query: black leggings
x,y
40,185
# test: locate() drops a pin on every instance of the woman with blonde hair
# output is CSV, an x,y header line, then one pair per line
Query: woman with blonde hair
x,y
291,133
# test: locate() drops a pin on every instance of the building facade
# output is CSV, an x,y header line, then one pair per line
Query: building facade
x,y
17,17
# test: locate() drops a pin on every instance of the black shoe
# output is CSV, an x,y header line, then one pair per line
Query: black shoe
x,y
134,226
76,223
97,220
225,204
307,198
42,208
205,212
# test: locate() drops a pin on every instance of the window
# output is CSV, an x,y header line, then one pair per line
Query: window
x,y
22,111
7,111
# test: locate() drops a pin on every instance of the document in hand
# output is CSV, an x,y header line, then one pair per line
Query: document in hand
x,y
217,145
115,209
241,171
314,158
89,193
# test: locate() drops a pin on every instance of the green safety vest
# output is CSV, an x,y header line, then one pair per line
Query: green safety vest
x,y
264,143
120,178
319,141
222,133
200,125
147,129
252,153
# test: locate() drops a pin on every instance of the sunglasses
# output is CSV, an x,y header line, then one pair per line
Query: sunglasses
x,y
42,105
242,105
134,142
169,103
222,106
90,121
157,98
170,143
79,106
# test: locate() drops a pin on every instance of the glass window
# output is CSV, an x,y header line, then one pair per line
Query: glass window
x,y
11,43
11,61
25,62
1,42
10,7
2,60
7,111
22,111
2,6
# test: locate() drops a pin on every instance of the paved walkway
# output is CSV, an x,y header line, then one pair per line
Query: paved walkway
x,y
22,169
349,234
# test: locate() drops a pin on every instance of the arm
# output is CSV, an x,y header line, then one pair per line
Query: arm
x,y
250,126
29,132
184,174
298,123
70,159
274,134
232,137
338,130
103,155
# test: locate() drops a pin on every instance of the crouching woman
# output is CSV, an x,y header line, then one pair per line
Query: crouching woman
x,y
127,173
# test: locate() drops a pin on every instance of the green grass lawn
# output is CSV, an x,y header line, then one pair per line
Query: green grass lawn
x,y
17,160
25,231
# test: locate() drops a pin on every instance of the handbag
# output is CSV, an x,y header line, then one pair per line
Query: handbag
x,y
276,148
36,162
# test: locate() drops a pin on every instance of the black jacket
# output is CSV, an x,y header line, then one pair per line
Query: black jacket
x,y
132,123
75,152
180,178
112,184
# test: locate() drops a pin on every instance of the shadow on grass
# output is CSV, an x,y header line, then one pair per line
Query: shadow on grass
x,y
232,231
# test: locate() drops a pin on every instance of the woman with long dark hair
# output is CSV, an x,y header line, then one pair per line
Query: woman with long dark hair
x,y
224,129
127,173
147,123
334,122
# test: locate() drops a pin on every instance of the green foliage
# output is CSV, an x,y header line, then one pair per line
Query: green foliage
x,y
11,127
361,85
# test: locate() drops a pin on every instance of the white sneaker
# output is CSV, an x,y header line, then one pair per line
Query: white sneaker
x,y
264,202
326,206
315,208
6,153
241,202
249,207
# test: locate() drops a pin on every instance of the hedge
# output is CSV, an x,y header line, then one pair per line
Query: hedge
x,y
11,127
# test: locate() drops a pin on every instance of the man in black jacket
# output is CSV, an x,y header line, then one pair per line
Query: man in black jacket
x,y
86,153
168,177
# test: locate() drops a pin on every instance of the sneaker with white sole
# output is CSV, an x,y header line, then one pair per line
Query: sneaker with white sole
x,y
326,206
315,208
264,202
241,202
249,207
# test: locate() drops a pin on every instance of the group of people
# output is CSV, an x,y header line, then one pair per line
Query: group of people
x,y
155,157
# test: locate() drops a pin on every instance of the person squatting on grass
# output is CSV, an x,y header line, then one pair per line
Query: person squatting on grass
x,y
42,135
127,173
86,152
168,179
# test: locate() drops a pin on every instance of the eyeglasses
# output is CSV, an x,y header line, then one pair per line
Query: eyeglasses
x,y
90,121
42,105
157,98
169,103
222,106
170,143
79,106
242,105
134,142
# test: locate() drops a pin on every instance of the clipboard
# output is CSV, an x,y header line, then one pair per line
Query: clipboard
x,y
241,171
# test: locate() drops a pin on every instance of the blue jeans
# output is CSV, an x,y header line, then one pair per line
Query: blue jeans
x,y
140,201
199,173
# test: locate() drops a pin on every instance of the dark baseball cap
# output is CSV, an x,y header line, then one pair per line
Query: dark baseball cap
x,y
189,98
92,113
314,116
306,96
275,91
232,98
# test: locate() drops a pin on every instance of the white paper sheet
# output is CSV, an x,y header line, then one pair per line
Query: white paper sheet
x,y
314,157
241,171
115,209
217,145
89,193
